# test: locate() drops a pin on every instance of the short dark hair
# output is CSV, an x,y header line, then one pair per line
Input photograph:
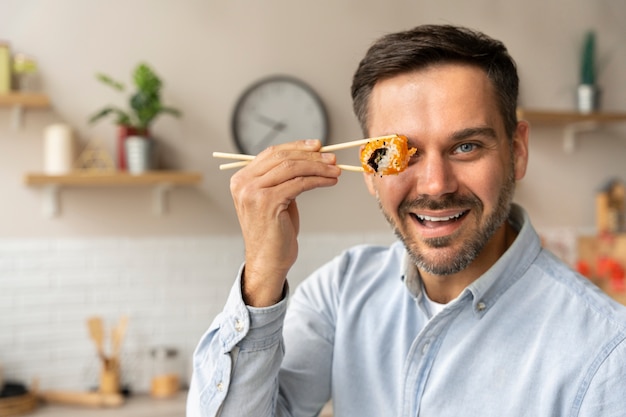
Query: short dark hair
x,y
426,45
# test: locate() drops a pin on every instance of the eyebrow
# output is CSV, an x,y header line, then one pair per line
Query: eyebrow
x,y
474,131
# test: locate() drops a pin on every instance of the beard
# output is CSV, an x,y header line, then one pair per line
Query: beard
x,y
452,263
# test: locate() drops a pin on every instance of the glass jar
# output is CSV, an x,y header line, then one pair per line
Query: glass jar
x,y
25,74
166,372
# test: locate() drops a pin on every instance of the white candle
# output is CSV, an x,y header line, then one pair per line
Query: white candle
x,y
58,149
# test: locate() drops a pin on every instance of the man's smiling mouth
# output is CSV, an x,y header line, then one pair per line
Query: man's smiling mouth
x,y
437,219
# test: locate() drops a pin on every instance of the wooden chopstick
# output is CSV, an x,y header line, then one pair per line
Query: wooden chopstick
x,y
237,156
351,168
351,144
329,148
232,165
245,159
240,164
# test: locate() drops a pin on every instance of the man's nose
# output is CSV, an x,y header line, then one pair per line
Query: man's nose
x,y
435,176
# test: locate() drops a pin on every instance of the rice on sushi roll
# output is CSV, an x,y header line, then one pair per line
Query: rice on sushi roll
x,y
388,156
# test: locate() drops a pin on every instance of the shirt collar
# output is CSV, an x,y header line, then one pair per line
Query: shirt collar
x,y
486,290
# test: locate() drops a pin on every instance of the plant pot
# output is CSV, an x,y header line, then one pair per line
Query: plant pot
x,y
588,98
123,133
139,154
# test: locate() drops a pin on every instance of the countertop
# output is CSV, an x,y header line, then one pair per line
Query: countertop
x,y
135,406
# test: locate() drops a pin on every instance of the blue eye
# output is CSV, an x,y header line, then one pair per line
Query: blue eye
x,y
466,147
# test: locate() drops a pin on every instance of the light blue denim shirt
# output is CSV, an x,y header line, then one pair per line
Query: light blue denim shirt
x,y
528,338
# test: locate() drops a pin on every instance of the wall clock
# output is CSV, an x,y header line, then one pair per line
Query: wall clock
x,y
276,110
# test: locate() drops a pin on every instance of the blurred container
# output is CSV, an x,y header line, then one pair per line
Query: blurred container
x,y
5,68
166,372
139,154
59,152
25,74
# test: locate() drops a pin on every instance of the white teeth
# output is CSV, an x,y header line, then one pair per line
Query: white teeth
x,y
439,219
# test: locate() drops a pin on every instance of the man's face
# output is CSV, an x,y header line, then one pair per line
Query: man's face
x,y
456,193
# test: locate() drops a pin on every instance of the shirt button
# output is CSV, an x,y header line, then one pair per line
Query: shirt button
x,y
425,347
239,325
220,386
481,306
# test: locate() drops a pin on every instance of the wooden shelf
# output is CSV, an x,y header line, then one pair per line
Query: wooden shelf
x,y
20,101
162,181
89,179
27,100
572,122
567,117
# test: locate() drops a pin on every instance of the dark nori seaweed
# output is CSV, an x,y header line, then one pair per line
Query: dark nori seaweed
x,y
375,158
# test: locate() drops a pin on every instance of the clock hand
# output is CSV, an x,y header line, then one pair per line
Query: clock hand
x,y
276,129
268,121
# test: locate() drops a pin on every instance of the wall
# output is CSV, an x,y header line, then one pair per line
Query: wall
x,y
169,288
208,52
96,258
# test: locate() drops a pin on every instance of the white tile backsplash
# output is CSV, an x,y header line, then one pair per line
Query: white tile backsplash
x,y
170,288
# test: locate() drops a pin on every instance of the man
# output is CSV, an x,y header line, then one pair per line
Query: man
x,y
465,316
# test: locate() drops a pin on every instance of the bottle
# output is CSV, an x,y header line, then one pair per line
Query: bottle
x,y
5,68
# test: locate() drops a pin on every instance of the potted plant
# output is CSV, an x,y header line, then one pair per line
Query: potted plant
x,y
144,107
588,90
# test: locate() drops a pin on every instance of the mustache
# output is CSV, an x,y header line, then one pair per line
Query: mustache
x,y
447,201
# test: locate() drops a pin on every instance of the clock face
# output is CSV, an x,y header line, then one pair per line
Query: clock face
x,y
276,110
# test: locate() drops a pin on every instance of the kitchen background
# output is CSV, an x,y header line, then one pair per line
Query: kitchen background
x,y
106,253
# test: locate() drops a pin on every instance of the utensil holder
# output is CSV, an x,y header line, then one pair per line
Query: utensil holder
x,y
109,380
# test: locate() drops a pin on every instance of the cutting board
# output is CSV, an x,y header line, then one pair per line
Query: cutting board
x,y
88,399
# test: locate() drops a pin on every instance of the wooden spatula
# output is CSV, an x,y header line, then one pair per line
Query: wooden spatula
x,y
117,337
96,331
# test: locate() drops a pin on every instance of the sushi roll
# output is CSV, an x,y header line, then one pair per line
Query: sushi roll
x,y
388,156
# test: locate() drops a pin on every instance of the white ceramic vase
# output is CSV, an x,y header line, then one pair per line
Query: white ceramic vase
x,y
588,98
139,151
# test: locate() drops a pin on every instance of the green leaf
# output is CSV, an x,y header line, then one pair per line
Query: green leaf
x,y
588,61
110,82
172,111
146,80
121,116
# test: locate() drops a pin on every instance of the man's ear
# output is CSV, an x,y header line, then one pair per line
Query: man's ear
x,y
520,149
369,182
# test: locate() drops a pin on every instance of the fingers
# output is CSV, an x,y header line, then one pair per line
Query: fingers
x,y
293,160
288,170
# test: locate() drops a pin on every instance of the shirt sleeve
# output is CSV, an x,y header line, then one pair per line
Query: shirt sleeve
x,y
605,393
236,362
